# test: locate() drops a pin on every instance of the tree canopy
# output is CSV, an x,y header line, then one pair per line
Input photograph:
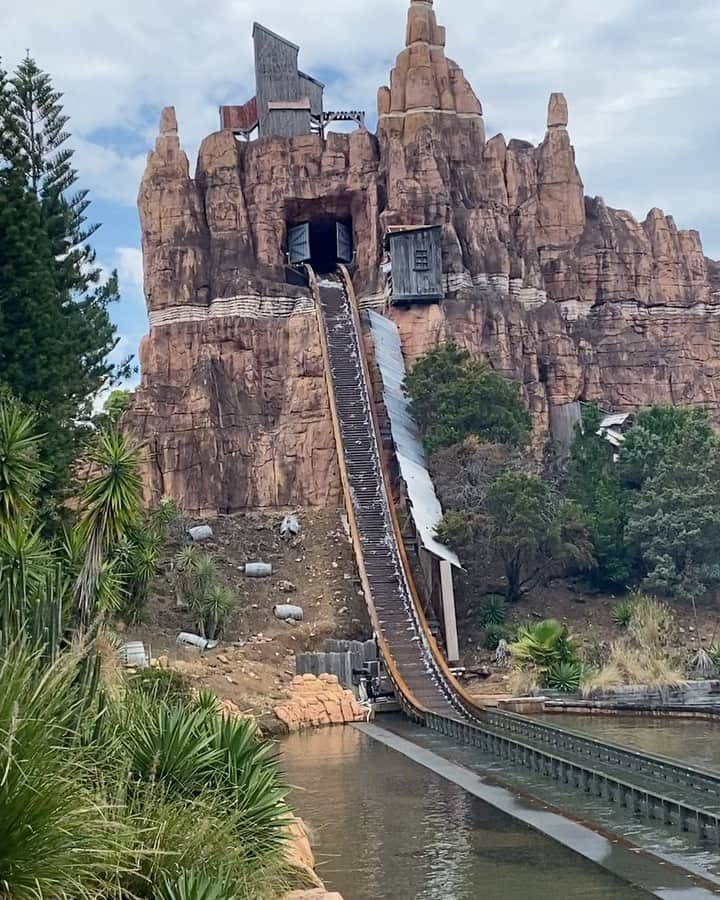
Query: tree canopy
x,y
454,396
56,334
527,527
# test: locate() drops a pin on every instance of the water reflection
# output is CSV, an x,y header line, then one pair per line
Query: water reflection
x,y
387,829
692,741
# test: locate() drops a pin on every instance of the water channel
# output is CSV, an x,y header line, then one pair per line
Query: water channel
x,y
692,741
386,828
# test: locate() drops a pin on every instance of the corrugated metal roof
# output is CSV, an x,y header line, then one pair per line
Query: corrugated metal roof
x,y
424,504
615,420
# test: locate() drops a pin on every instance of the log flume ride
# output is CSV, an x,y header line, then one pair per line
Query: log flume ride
x,y
685,797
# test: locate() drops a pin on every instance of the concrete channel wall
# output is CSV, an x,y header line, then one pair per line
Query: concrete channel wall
x,y
648,786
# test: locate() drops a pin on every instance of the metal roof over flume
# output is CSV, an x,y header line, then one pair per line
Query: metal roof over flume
x,y
424,504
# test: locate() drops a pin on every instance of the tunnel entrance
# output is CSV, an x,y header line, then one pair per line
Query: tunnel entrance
x,y
323,242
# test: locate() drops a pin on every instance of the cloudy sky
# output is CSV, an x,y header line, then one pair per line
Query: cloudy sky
x,y
641,77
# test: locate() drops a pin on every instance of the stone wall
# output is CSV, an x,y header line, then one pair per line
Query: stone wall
x,y
315,702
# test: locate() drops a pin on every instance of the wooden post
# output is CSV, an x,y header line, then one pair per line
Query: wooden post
x,y
448,600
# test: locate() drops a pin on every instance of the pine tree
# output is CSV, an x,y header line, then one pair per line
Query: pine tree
x,y
43,154
55,330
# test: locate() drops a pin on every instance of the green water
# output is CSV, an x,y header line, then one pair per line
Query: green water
x,y
387,829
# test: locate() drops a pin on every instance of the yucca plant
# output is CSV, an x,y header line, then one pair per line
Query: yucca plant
x,y
214,610
25,560
622,613
21,472
493,611
186,563
141,558
111,593
110,506
196,884
564,676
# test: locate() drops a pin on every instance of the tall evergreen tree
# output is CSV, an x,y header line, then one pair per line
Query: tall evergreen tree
x,y
42,152
55,330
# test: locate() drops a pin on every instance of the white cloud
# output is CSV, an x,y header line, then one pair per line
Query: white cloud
x,y
639,76
130,268
108,173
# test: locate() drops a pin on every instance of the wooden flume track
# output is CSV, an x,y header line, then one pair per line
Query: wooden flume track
x,y
648,785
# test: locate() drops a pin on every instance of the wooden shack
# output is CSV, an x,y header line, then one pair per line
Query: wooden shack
x,y
416,259
288,100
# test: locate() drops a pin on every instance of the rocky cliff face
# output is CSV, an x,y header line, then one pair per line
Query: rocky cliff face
x,y
575,299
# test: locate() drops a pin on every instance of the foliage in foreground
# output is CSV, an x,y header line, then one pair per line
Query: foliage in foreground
x,y
98,790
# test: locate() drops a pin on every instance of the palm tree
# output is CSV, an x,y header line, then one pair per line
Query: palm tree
x,y
111,504
21,472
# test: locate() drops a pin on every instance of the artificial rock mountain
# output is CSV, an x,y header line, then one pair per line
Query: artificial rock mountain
x,y
574,299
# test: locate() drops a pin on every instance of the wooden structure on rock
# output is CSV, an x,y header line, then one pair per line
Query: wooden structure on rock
x,y
417,269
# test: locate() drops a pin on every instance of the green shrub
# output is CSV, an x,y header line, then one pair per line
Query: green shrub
x,y
564,676
543,644
715,655
493,611
496,633
622,613
162,684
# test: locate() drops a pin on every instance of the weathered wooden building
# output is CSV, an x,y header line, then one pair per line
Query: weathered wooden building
x,y
416,260
288,102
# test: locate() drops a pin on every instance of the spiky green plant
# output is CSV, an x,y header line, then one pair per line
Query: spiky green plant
x,y
543,644
21,472
496,633
186,563
622,613
214,610
564,676
56,836
112,591
25,560
111,503
493,611
196,884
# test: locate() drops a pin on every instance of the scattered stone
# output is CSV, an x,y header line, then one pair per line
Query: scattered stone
x,y
286,587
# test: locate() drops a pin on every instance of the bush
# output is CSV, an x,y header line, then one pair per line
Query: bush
x,y
493,611
162,684
564,676
496,633
452,396
715,655
622,613
652,624
544,644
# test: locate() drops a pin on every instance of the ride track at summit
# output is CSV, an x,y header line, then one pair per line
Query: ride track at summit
x,y
685,797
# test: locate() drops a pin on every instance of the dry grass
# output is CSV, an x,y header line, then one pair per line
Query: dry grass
x,y
523,681
630,664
